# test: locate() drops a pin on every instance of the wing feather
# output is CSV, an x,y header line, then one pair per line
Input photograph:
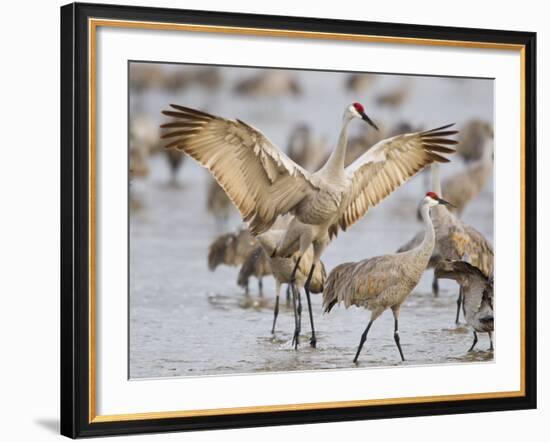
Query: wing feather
x,y
260,180
388,164
480,251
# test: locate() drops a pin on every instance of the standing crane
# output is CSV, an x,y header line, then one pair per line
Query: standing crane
x,y
269,83
256,263
217,203
472,140
384,281
230,249
454,240
396,96
282,269
175,160
478,295
464,186
264,183
358,83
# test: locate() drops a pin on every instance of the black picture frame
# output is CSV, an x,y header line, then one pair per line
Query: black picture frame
x,y
75,194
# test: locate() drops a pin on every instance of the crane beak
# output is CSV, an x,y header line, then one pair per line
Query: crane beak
x,y
445,203
368,120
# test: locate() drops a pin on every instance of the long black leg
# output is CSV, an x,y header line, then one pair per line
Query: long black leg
x,y
491,347
299,295
459,304
276,309
363,339
260,287
298,308
474,343
396,338
296,337
293,275
435,286
313,340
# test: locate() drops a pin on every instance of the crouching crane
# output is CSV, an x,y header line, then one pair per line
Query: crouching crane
x,y
477,292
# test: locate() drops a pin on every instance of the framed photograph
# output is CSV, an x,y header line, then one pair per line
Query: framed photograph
x,y
274,220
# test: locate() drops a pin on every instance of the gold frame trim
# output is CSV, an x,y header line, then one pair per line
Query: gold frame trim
x,y
93,24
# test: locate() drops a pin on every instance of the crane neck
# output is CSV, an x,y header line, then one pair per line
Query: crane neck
x,y
429,232
438,211
336,162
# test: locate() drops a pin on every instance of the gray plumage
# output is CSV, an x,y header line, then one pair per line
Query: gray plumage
x,y
466,185
359,83
282,269
255,264
414,242
396,97
454,240
145,76
230,249
457,240
384,281
471,141
175,159
478,295
217,202
269,83
180,79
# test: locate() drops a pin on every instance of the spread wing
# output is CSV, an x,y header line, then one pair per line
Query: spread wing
x,y
388,164
261,181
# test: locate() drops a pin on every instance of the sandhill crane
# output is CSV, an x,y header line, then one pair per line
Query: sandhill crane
x,y
395,97
209,77
472,138
255,264
269,83
177,80
464,186
138,167
144,132
217,202
305,149
182,78
230,249
359,83
282,271
143,138
144,76
478,295
175,160
264,183
384,281
455,240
